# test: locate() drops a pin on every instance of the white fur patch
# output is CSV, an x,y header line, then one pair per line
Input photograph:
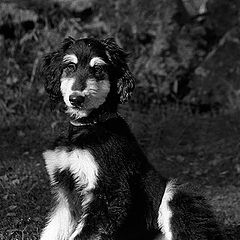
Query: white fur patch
x,y
165,213
66,89
70,58
80,163
96,61
87,199
60,224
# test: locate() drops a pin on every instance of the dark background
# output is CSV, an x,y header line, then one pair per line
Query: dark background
x,y
185,55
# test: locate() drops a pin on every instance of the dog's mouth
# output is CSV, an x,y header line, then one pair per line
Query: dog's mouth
x,y
77,112
79,108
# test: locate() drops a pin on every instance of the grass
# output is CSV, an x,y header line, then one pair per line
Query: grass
x,y
201,149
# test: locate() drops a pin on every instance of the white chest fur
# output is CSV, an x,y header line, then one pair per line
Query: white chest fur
x,y
82,165
79,162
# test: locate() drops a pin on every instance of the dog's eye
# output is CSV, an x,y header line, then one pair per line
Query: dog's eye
x,y
71,67
99,72
98,69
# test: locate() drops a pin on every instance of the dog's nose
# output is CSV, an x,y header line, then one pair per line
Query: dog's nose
x,y
76,99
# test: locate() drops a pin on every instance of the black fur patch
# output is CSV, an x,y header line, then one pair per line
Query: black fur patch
x,y
65,179
192,218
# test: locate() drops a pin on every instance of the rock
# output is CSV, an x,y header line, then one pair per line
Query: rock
x,y
217,78
223,15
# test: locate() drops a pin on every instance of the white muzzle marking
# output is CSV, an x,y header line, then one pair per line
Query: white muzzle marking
x,y
66,89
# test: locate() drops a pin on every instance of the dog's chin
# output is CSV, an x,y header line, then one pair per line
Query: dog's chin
x,y
77,113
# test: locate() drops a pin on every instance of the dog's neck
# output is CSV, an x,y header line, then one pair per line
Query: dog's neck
x,y
90,121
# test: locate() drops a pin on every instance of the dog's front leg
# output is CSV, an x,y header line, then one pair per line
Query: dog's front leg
x,y
60,224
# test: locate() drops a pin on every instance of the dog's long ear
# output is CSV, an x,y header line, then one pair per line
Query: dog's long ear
x,y
118,57
50,69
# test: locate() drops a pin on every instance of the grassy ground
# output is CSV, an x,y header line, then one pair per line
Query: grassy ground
x,y
200,149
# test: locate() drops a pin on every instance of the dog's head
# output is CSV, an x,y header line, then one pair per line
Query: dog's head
x,y
87,74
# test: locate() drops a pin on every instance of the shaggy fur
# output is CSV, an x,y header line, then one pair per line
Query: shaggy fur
x,y
103,185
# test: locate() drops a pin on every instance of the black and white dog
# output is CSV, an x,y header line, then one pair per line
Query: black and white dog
x,y
103,185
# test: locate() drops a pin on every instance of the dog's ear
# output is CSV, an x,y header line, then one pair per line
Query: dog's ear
x,y
50,69
118,57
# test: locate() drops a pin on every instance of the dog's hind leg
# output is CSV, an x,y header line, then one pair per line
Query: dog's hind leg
x,y
184,214
60,224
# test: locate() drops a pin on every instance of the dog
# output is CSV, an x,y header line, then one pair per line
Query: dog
x,y
103,186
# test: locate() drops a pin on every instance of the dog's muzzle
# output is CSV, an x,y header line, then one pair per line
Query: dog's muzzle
x,y
76,99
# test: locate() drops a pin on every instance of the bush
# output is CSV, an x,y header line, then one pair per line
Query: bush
x,y
169,45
